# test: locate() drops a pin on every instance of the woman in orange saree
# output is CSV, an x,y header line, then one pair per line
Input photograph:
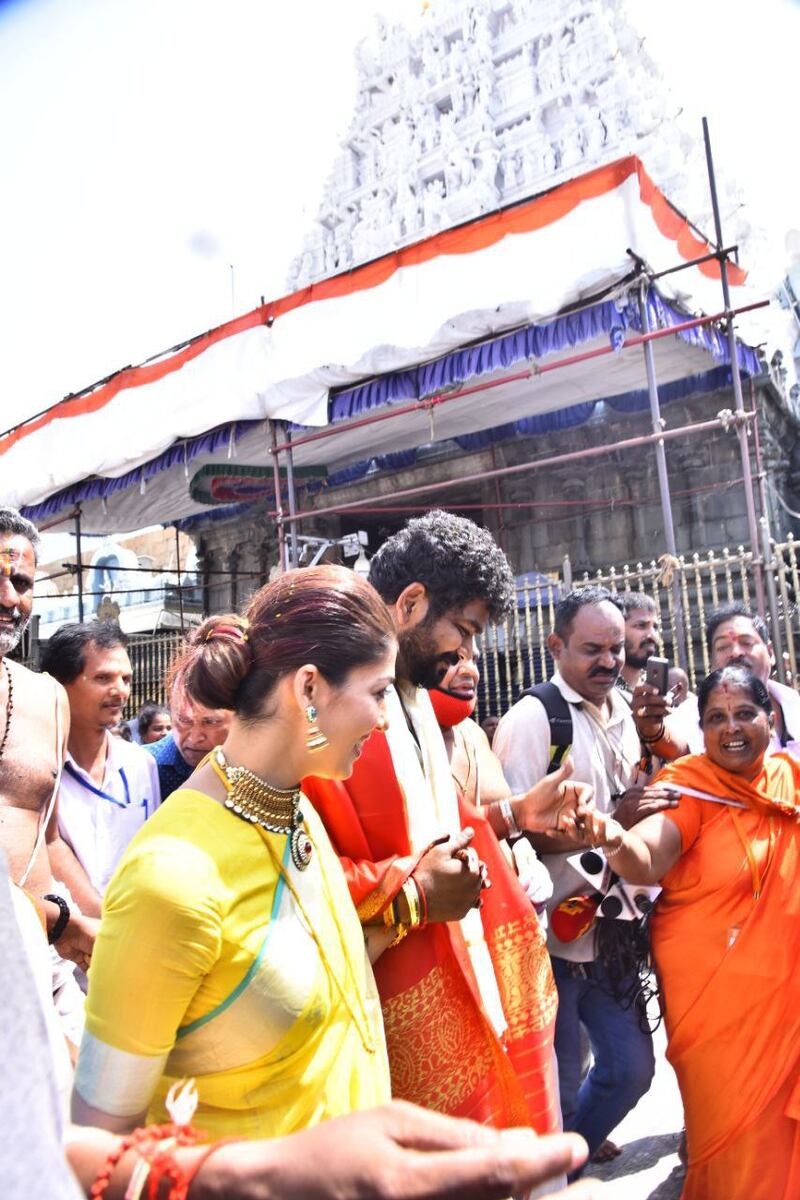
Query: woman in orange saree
x,y
726,943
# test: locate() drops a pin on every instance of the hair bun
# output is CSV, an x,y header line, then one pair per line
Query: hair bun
x,y
216,661
225,629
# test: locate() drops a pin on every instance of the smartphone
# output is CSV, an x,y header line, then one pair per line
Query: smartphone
x,y
656,674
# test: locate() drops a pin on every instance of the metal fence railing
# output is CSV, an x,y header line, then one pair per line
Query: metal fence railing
x,y
151,656
514,652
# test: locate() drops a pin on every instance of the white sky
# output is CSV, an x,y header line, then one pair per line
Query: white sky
x,y
149,144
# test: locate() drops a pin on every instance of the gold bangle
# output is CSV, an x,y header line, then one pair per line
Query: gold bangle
x,y
412,900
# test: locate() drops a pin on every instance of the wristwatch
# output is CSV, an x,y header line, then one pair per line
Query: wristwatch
x,y
63,918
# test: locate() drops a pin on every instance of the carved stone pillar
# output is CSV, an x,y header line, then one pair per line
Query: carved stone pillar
x,y
233,564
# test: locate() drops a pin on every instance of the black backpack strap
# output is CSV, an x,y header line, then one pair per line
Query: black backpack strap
x,y
559,718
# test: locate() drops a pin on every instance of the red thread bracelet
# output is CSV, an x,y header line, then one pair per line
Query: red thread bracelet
x,y
190,1174
145,1142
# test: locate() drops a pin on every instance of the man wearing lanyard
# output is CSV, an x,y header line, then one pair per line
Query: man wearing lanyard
x,y
109,787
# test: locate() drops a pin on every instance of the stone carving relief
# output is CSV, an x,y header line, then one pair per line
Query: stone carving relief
x,y
491,102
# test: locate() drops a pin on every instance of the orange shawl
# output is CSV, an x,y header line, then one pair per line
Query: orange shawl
x,y
443,1051
729,968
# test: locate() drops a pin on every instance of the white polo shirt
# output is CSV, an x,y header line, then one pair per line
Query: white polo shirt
x,y
98,822
605,752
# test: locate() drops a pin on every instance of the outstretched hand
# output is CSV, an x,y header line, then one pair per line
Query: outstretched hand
x,y
556,804
399,1150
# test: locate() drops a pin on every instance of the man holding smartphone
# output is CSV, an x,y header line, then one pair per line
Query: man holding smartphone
x,y
735,637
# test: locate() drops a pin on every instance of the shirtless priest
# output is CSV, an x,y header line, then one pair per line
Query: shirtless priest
x,y
34,725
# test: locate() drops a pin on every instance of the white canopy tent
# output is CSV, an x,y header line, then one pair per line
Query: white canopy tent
x,y
555,270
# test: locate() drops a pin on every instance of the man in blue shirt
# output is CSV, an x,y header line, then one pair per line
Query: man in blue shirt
x,y
195,731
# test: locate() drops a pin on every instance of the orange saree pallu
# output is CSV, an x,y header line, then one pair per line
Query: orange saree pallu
x,y
444,1052
726,943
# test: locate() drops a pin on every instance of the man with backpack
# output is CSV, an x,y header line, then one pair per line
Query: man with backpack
x,y
581,712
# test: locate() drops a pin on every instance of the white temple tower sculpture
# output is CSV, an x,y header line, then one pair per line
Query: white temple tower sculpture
x,y
490,102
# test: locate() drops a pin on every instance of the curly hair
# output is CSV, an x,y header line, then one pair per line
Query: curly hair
x,y
454,558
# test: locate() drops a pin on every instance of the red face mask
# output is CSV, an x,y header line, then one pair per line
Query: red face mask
x,y
451,710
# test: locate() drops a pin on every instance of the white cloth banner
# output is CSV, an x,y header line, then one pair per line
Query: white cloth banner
x,y
418,312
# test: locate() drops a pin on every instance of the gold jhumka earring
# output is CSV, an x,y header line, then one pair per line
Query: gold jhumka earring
x,y
316,739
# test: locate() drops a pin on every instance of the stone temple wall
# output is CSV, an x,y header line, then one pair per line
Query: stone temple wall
x,y
612,515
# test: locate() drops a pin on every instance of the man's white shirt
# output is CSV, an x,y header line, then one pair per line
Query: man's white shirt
x,y
98,821
607,757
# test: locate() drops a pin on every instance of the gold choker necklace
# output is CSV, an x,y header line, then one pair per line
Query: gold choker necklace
x,y
275,809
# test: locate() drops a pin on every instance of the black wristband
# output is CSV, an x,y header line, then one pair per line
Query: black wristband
x,y
63,918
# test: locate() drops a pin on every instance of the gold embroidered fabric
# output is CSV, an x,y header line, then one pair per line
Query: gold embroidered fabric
x,y
387,887
438,1049
524,975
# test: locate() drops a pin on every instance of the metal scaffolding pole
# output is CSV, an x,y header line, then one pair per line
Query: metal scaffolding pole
x,y
772,597
661,468
534,372
535,464
278,514
178,572
741,428
294,544
79,562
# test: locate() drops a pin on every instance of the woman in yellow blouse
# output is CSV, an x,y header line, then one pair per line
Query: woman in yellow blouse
x,y
229,949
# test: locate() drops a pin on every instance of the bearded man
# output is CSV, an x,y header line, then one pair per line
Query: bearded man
x,y
466,987
641,634
34,727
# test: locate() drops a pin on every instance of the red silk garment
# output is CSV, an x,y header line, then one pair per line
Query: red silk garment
x,y
729,968
443,1051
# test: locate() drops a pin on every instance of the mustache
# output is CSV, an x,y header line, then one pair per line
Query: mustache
x,y
601,673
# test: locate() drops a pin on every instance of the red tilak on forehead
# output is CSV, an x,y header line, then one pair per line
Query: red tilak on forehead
x,y
7,560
